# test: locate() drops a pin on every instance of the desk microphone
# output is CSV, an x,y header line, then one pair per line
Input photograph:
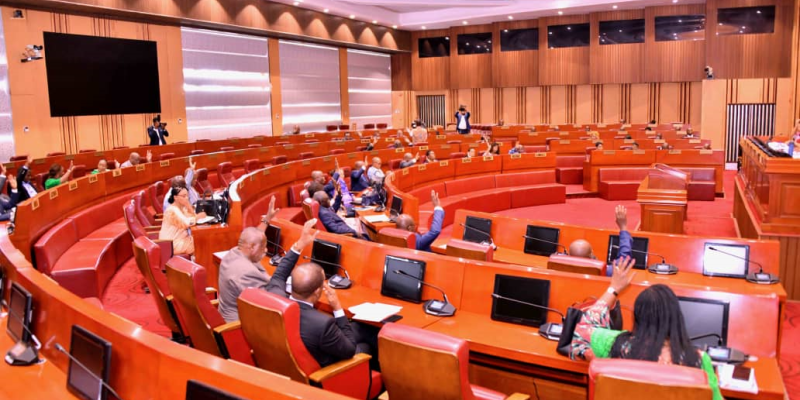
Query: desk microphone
x,y
721,353
23,353
433,307
336,281
489,242
72,358
547,330
661,268
756,277
276,259
549,242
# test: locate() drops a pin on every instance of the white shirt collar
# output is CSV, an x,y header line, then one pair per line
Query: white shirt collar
x,y
300,301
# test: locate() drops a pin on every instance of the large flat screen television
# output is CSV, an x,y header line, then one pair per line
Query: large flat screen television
x,y
528,290
92,75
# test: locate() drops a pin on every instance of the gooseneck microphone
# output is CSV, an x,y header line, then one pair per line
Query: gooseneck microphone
x,y
276,259
433,307
23,353
489,242
549,242
756,277
336,281
720,353
662,268
547,330
72,358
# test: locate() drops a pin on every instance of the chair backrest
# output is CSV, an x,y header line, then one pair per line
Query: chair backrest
x,y
397,237
187,282
336,151
395,163
87,151
56,153
382,126
152,195
331,128
457,155
166,156
201,183
226,148
78,171
278,160
453,142
251,165
253,145
120,147
135,227
311,210
470,250
151,259
144,216
38,181
588,266
344,127
369,126
615,379
18,157
225,173
271,324
440,369
306,155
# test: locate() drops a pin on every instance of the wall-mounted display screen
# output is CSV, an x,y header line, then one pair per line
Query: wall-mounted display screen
x,y
475,43
572,35
680,27
622,32
434,47
745,20
519,39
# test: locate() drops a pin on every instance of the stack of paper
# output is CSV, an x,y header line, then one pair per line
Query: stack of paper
x,y
377,218
373,312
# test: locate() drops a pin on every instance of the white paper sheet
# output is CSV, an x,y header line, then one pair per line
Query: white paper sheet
x,y
373,312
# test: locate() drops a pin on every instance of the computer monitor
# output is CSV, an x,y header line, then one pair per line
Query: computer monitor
x,y
327,255
541,248
480,232
94,353
397,205
529,290
20,310
704,319
273,234
639,244
200,391
401,286
733,265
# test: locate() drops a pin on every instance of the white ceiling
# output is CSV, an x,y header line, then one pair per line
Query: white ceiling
x,y
436,14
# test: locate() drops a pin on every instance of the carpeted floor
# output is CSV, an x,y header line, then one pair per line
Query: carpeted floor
x,y
790,352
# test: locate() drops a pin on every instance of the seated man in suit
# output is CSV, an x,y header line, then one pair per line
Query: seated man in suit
x,y
24,176
136,159
409,160
582,248
241,267
405,222
332,221
157,132
358,177
328,339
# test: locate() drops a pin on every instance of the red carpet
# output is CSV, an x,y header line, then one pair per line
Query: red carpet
x,y
790,352
125,297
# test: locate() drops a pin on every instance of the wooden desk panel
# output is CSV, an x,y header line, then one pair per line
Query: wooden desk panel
x,y
477,166
529,161
611,159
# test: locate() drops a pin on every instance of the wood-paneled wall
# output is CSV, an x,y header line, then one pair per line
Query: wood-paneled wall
x,y
470,70
514,68
566,66
678,61
620,63
401,71
431,73
750,56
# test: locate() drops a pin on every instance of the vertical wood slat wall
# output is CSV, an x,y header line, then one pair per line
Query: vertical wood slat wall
x,y
747,120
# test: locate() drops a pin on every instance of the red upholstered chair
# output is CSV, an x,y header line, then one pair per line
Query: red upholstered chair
x,y
311,141
225,173
580,265
381,126
166,156
201,183
395,163
440,367
344,127
331,128
151,258
453,142
457,155
197,152
38,181
145,215
311,210
361,148
278,160
120,147
337,151
702,184
251,166
295,195
199,316
535,149
398,238
569,169
306,155
78,171
470,250
135,227
281,143
226,148
152,196
56,153
87,151
615,379
18,157
271,324
369,126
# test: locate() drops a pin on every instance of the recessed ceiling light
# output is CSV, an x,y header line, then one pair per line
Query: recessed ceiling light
x,y
464,22
758,11
560,13
297,3
614,6
674,1
325,11
447,38
512,17
569,28
720,24
352,16
505,30
394,26
680,21
423,27
550,33
744,27
374,21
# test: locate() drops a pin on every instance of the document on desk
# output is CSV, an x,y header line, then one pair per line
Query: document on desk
x,y
725,373
373,312
376,218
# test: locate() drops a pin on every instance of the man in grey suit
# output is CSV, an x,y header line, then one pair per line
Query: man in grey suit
x,y
241,267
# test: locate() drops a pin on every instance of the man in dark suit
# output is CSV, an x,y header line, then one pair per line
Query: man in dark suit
x,y
405,222
328,339
157,132
330,219
26,190
358,177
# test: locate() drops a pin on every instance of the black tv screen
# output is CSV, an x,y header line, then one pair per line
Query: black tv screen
x,y
91,75
519,39
434,47
680,27
622,31
561,36
746,20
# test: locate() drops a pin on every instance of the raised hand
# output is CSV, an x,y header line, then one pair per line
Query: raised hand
x,y
192,163
307,236
623,274
12,181
621,214
434,198
272,211
149,156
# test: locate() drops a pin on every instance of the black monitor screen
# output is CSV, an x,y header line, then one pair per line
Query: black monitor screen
x,y
746,20
670,28
528,290
273,234
327,255
478,230
20,309
200,391
401,286
519,39
92,75
639,244
474,43
573,35
541,248
397,205
95,354
434,47
729,260
705,318
621,32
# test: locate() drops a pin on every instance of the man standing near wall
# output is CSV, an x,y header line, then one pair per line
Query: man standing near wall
x,y
462,120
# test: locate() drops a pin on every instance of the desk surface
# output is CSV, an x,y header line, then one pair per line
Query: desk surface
x,y
523,344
